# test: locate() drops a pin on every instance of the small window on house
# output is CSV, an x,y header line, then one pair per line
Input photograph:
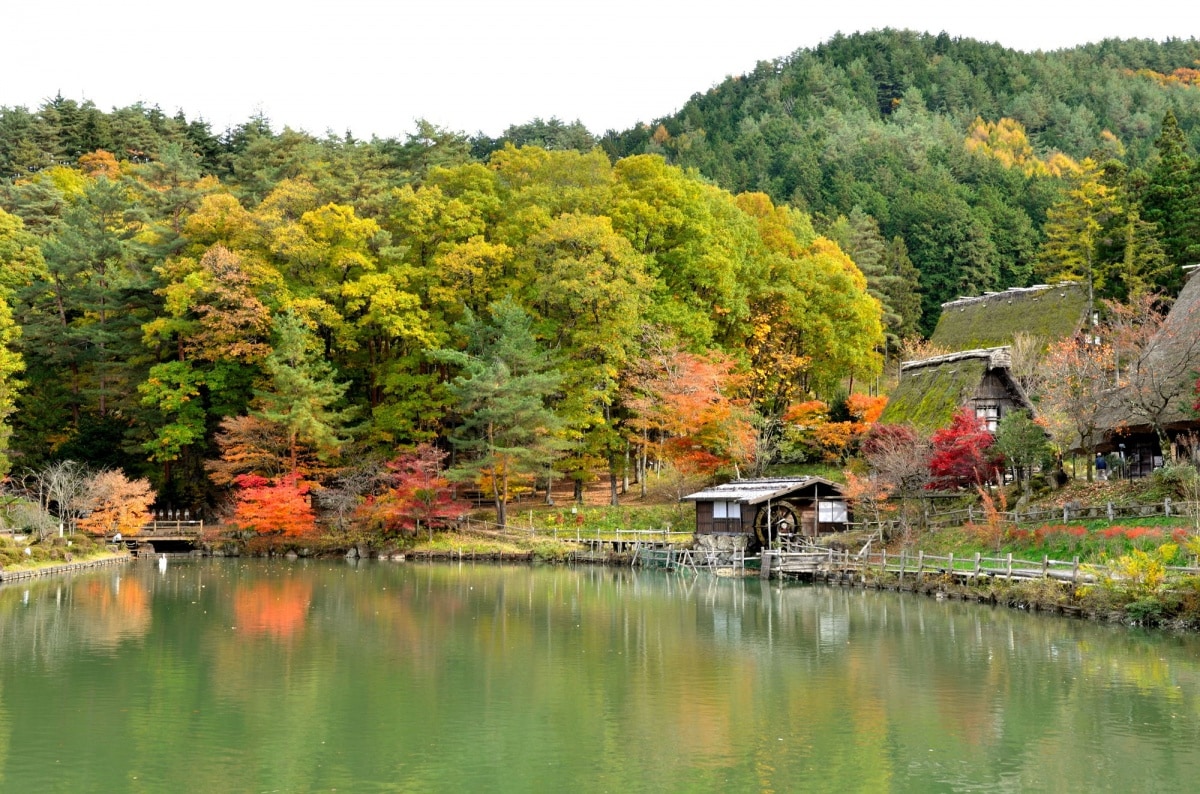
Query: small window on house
x,y
727,510
832,513
989,415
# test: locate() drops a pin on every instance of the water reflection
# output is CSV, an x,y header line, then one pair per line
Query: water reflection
x,y
302,676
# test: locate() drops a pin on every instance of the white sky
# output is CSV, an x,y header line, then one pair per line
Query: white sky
x,y
374,66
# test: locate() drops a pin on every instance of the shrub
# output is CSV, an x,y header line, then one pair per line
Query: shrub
x,y
1148,611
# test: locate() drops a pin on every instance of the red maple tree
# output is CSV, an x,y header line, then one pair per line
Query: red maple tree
x,y
274,506
420,497
962,453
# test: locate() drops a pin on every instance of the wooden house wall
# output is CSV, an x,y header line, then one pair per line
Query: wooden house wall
x,y
707,525
994,387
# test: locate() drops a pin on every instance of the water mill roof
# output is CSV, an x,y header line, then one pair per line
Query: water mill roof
x,y
751,492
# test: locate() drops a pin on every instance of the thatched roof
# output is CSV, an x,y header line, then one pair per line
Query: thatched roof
x,y
933,389
1166,373
751,492
1049,312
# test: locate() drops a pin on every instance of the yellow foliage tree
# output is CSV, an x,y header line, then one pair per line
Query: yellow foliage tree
x,y
117,504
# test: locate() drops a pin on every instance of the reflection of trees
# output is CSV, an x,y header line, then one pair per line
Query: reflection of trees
x,y
275,609
52,616
377,674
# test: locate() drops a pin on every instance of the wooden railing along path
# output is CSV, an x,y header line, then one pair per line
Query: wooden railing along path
x,y
920,565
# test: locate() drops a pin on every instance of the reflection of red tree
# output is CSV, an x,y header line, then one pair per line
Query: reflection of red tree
x,y
277,609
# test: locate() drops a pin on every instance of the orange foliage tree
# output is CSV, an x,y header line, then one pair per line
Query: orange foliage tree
x,y
274,506
684,412
420,497
116,504
809,432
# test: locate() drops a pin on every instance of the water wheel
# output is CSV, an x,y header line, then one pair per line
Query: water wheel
x,y
783,521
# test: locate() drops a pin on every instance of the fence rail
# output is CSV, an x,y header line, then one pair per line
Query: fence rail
x,y
579,533
1066,514
920,565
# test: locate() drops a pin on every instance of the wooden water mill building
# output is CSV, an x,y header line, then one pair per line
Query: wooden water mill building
x,y
744,515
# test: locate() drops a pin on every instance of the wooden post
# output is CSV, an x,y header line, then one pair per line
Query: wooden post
x,y
1009,566
920,563
1045,566
1110,511
978,556
950,565
1075,570
1066,510
883,563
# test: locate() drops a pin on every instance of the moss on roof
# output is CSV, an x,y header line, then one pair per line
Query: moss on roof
x,y
1050,313
928,396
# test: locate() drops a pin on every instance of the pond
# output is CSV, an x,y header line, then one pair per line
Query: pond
x,y
249,675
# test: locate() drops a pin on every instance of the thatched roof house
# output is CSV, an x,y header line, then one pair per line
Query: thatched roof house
x,y
980,333
1046,312
1159,390
933,389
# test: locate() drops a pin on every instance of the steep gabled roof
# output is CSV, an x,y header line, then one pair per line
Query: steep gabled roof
x,y
1169,367
752,492
1049,312
932,389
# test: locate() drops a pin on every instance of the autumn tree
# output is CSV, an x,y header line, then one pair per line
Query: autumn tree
x,y
1077,378
114,503
420,494
274,506
1155,358
898,459
963,454
809,431
685,410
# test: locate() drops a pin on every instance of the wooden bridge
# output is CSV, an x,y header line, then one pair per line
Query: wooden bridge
x,y
171,536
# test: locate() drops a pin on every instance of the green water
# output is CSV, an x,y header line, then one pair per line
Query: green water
x,y
231,676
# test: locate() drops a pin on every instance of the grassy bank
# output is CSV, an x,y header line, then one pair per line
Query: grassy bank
x,y
50,552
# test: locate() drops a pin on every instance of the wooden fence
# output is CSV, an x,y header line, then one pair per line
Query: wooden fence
x,y
920,565
1049,515
580,533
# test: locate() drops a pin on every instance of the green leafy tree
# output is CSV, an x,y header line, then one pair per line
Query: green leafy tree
x,y
1023,443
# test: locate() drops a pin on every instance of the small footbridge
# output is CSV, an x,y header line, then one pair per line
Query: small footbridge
x,y
162,537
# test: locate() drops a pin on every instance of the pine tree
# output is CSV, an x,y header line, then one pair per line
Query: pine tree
x,y
303,396
508,432
1172,197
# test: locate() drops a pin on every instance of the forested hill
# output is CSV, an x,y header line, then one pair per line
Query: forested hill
x,y
201,307
887,122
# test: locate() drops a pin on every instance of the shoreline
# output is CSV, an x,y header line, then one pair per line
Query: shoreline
x,y
63,568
